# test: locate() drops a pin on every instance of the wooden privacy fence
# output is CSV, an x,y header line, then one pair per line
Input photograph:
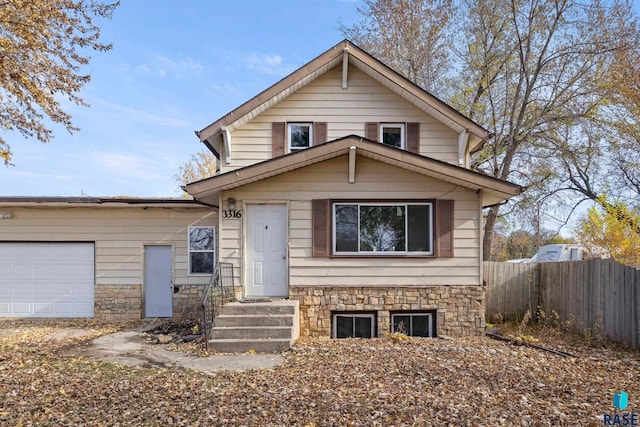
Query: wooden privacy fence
x,y
512,289
601,296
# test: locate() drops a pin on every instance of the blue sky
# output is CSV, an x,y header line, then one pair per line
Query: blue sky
x,y
175,67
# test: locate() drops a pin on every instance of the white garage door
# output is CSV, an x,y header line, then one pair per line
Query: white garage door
x,y
46,279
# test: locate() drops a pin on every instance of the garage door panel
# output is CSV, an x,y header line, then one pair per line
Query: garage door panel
x,y
82,293
64,309
63,289
64,270
21,309
43,309
26,290
47,279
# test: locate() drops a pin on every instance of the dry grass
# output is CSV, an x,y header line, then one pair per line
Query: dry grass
x,y
385,382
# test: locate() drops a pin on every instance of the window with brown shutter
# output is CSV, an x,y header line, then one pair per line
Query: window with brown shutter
x,y
277,138
413,137
320,219
407,228
444,228
319,133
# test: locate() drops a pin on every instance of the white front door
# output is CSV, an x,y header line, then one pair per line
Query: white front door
x,y
266,265
158,278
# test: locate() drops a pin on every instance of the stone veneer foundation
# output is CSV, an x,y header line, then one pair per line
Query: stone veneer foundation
x,y
187,302
124,302
459,309
118,302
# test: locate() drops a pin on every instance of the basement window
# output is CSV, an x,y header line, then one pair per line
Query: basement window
x,y
354,325
414,324
202,247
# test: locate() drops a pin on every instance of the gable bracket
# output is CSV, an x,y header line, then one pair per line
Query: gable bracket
x,y
463,140
352,164
345,67
226,136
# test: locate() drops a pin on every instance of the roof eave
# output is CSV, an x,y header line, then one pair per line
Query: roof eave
x,y
468,179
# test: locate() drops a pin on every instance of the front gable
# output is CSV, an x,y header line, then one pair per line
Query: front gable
x,y
491,190
343,91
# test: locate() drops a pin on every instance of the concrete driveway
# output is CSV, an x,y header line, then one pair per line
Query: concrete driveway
x,y
132,348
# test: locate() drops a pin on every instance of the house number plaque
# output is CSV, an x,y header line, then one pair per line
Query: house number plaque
x,y
228,213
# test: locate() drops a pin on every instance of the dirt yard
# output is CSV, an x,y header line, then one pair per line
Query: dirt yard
x,y
321,382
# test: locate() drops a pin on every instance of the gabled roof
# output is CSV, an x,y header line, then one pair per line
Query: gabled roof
x,y
369,65
494,190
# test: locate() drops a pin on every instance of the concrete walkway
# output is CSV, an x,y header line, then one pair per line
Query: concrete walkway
x,y
130,348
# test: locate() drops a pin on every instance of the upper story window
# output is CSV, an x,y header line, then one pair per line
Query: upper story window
x,y
202,247
300,136
382,228
392,134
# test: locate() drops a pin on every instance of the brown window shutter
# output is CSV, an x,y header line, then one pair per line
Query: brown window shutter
x,y
320,219
319,133
371,131
444,228
413,137
277,138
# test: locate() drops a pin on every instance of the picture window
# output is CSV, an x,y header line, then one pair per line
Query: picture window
x,y
393,228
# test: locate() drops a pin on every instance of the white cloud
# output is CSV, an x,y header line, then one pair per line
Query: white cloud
x,y
161,66
267,64
181,67
126,166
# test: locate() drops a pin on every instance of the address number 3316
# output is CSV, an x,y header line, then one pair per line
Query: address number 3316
x,y
231,214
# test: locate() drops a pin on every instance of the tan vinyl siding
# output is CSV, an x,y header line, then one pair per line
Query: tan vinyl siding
x,y
346,111
119,235
374,180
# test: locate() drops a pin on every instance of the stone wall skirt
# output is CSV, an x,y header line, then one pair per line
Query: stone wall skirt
x,y
118,302
459,309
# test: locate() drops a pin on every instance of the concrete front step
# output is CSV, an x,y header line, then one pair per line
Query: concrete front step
x,y
266,326
243,346
254,320
251,332
258,308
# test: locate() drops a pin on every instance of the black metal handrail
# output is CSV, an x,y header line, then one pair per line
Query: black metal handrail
x,y
219,291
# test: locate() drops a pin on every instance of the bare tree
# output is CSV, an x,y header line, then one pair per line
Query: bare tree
x,y
199,166
531,73
410,36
